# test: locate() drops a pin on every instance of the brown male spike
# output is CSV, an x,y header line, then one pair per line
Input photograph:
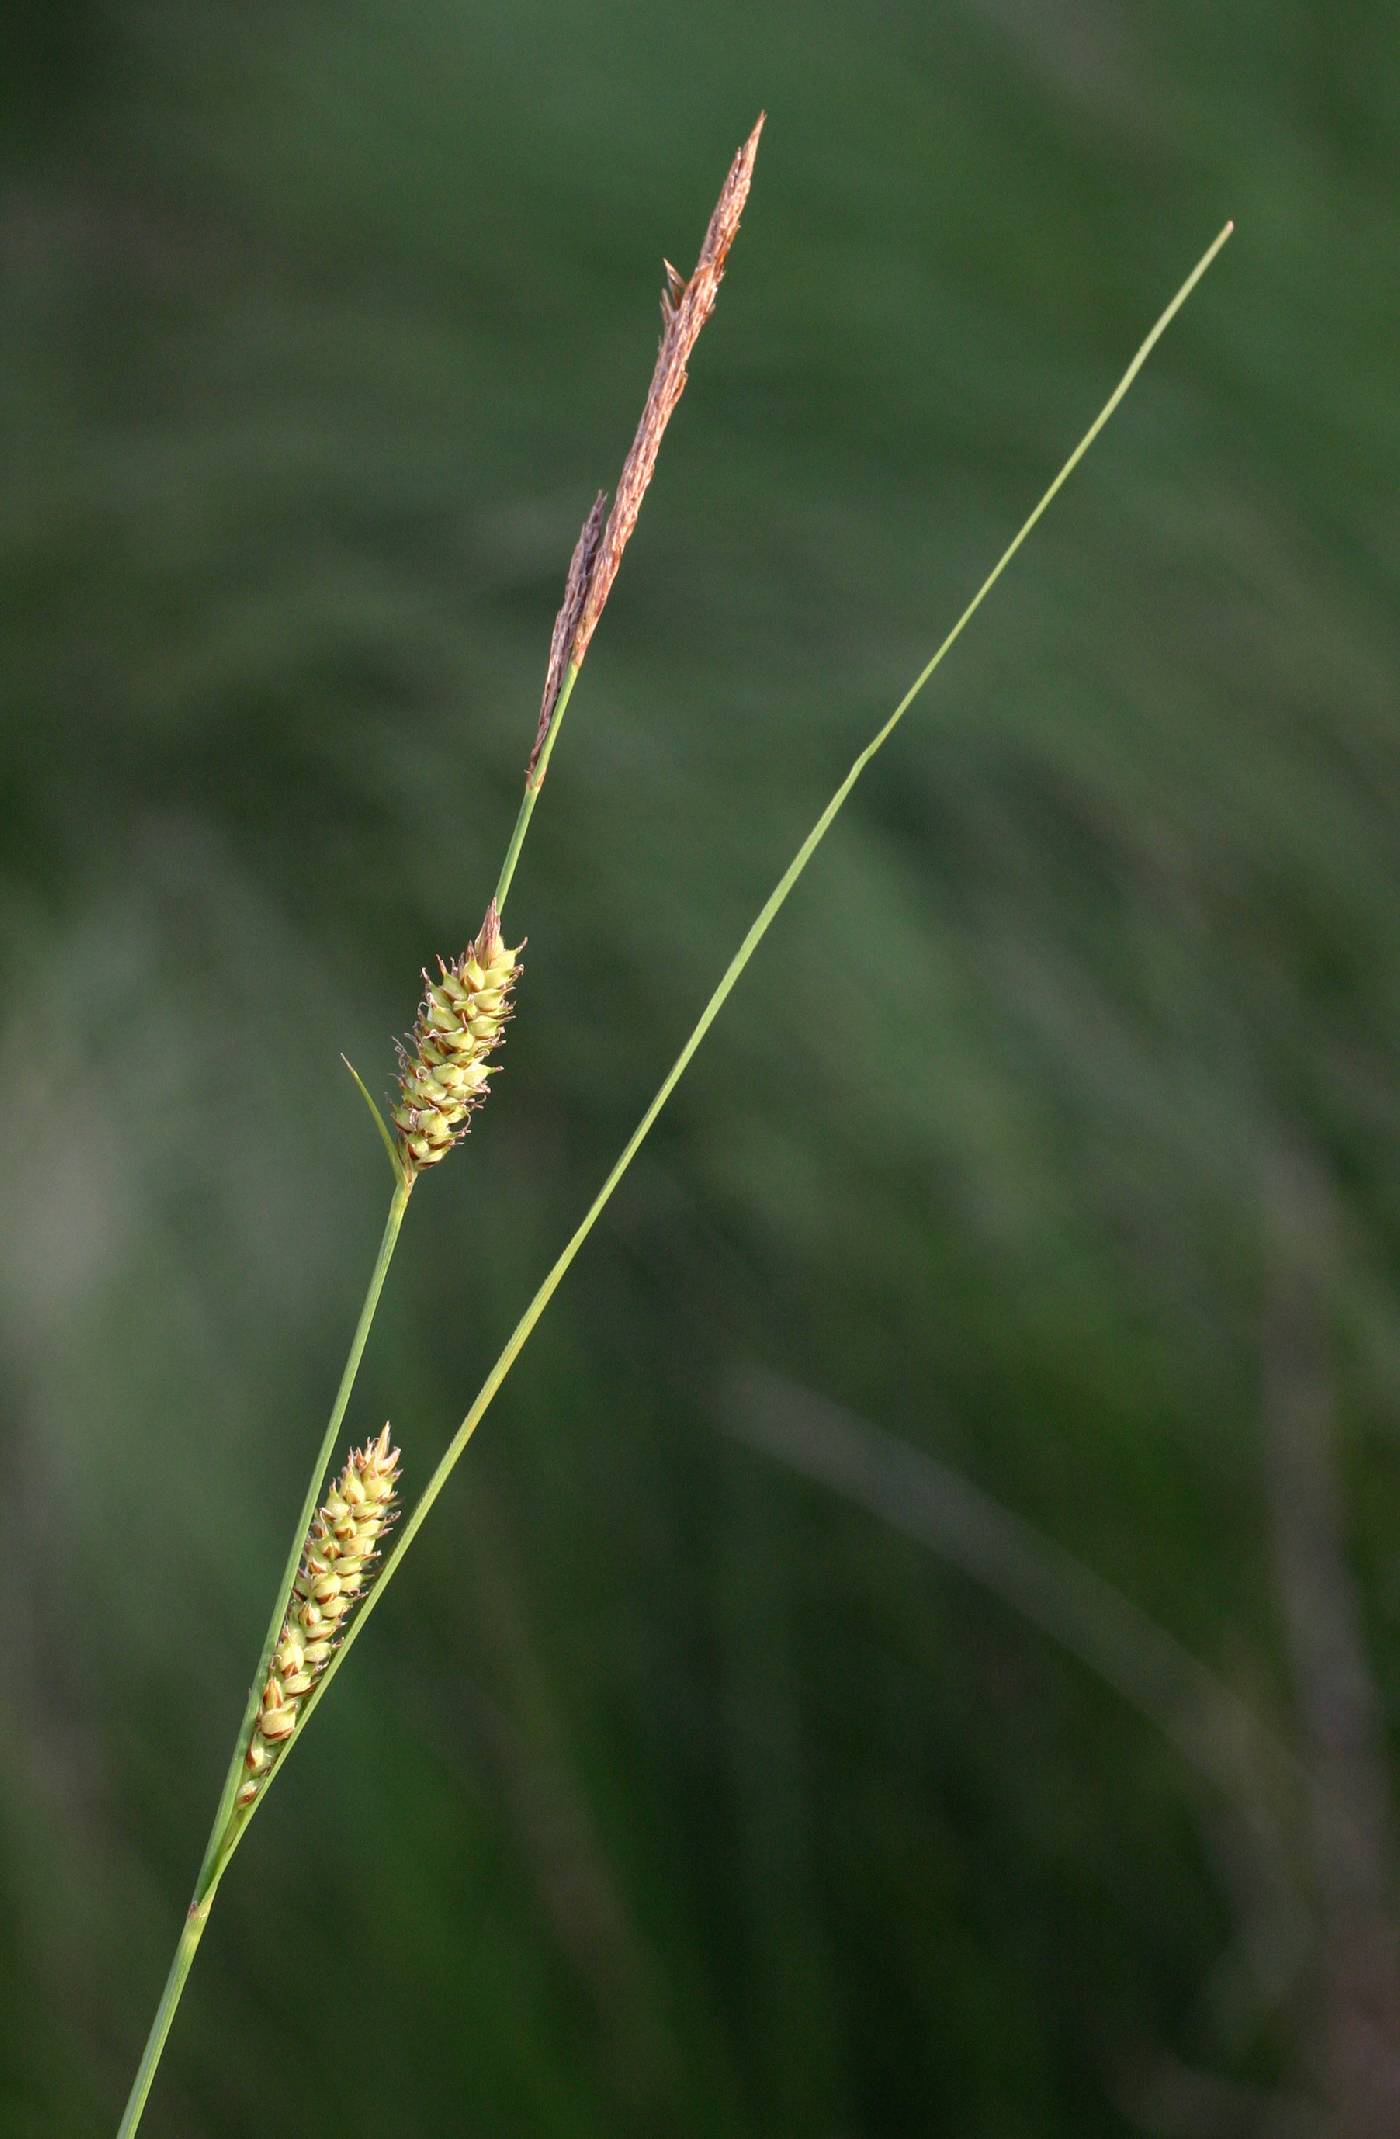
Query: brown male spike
x,y
685,307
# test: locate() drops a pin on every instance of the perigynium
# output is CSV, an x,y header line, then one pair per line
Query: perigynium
x,y
322,1605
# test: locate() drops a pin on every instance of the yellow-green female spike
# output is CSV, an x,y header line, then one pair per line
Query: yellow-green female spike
x,y
341,1548
443,1067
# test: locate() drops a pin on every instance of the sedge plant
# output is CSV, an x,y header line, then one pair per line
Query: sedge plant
x,y
324,1598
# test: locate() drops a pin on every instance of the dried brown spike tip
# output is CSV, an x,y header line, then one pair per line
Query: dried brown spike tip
x,y
685,307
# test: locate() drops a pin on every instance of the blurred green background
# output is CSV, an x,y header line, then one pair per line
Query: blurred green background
x,y
913,1649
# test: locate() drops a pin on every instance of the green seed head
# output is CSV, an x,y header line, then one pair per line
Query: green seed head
x,y
443,1066
336,1563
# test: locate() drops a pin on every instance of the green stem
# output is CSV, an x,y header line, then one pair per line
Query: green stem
x,y
229,1820
165,2013
534,782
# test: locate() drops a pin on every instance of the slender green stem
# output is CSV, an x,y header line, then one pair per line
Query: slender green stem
x,y
229,1821
165,2013
533,783
758,929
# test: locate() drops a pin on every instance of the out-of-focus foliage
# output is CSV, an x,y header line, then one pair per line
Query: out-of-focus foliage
x,y
1053,1134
